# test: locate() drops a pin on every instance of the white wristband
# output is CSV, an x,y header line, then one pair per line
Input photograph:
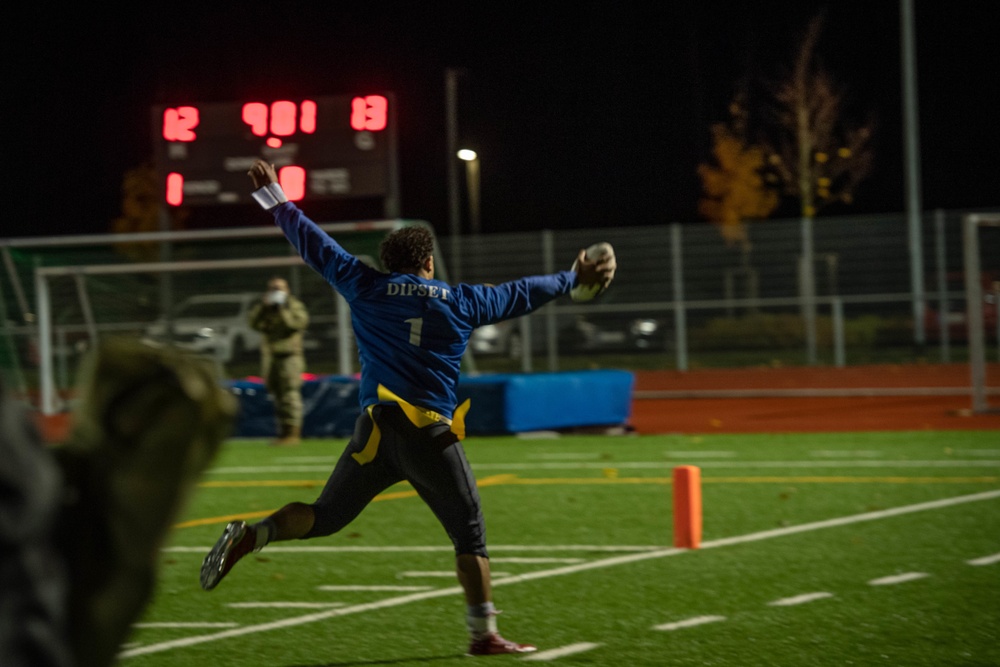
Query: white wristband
x,y
270,196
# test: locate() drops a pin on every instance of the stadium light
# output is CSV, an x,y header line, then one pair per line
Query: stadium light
x,y
471,159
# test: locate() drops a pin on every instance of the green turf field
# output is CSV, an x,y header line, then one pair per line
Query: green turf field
x,y
818,549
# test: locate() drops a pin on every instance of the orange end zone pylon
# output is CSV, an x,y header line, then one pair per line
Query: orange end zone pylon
x,y
687,507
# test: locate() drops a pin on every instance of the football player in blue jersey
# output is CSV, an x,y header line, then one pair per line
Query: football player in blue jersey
x,y
411,333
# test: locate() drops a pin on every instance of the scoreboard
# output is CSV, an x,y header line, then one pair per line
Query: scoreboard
x,y
322,148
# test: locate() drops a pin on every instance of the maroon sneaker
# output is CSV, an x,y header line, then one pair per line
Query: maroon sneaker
x,y
237,540
493,644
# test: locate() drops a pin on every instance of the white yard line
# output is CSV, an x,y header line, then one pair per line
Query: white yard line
x,y
800,599
537,561
561,456
193,624
696,454
648,465
494,548
561,652
985,560
898,578
352,588
291,622
445,574
844,453
668,465
284,605
332,460
689,623
555,572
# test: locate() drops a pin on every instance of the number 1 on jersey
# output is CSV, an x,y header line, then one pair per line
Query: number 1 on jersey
x,y
416,326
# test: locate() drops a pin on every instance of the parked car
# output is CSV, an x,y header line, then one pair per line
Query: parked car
x,y
500,339
212,324
614,332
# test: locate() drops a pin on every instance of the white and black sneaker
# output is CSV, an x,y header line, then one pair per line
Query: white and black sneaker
x,y
237,540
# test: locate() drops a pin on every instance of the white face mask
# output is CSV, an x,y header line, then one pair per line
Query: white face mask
x,y
277,297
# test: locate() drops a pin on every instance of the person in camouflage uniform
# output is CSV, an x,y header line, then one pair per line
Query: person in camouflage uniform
x,y
281,319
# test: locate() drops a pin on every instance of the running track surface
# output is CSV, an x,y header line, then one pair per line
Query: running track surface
x,y
791,414
813,414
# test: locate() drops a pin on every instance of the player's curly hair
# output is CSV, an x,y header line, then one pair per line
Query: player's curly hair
x,y
404,250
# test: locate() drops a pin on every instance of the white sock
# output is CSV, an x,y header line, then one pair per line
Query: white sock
x,y
481,619
264,531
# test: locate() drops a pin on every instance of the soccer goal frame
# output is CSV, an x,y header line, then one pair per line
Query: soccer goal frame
x,y
49,402
971,226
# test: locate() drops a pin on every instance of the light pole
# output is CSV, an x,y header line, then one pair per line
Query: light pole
x,y
451,76
472,183
911,141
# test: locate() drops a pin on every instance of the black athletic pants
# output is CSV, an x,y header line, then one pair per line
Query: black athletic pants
x,y
431,459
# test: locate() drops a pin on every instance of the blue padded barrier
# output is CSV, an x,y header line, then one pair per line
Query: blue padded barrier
x,y
502,403
515,403
330,407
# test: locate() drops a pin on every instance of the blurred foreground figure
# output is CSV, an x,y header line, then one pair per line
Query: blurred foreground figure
x,y
33,586
148,423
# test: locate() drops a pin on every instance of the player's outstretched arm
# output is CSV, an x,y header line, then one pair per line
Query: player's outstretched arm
x,y
319,251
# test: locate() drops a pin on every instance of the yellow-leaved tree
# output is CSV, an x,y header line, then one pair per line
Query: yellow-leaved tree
x,y
141,212
734,186
817,155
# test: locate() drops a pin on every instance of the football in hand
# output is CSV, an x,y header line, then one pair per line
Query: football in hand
x,y
595,253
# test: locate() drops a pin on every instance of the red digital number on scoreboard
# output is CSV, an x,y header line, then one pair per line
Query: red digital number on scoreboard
x,y
369,113
179,124
274,122
280,119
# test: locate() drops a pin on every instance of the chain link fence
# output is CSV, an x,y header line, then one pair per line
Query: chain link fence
x,y
682,298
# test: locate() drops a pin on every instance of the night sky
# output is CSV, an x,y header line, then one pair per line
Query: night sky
x,y
585,114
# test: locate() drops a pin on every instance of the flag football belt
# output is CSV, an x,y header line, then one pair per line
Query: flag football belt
x,y
419,417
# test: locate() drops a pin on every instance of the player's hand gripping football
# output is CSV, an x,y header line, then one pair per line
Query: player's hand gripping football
x,y
262,173
595,272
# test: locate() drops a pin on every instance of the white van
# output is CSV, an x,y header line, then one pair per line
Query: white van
x,y
212,324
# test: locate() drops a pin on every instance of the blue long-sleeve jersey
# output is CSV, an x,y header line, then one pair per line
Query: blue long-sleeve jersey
x,y
412,332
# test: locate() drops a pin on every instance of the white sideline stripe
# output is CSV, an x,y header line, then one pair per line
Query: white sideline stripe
x,y
840,453
441,573
284,605
800,599
560,652
985,560
422,549
652,465
898,578
538,435
559,571
689,622
521,559
337,589
185,625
